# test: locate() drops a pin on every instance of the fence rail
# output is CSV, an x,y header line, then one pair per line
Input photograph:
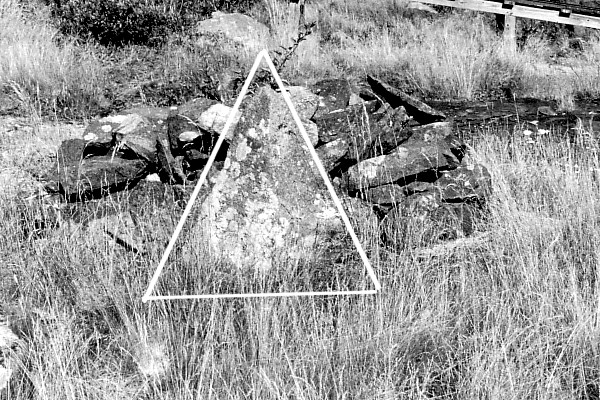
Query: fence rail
x,y
562,12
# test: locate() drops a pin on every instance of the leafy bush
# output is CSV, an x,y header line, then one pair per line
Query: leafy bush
x,y
112,22
139,22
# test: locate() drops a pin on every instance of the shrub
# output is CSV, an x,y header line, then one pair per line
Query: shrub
x,y
112,22
138,22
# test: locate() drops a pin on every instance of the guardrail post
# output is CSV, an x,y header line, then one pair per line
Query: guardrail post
x,y
507,25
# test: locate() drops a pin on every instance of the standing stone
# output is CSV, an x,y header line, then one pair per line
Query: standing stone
x,y
268,200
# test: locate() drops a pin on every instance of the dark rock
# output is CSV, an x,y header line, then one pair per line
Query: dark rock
x,y
168,168
384,194
421,204
418,187
205,143
388,132
97,176
420,111
413,160
185,118
362,132
345,123
439,132
71,151
195,159
102,132
141,143
334,94
332,153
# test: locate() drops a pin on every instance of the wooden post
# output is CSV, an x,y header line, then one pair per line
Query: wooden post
x,y
510,36
507,25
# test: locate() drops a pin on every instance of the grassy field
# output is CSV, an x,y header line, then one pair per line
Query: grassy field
x,y
511,313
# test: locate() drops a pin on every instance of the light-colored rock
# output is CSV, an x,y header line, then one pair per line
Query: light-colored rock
x,y
268,200
215,118
188,136
8,341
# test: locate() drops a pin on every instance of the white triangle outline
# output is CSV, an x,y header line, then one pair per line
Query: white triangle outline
x,y
367,264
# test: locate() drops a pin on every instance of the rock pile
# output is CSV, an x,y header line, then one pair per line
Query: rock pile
x,y
380,145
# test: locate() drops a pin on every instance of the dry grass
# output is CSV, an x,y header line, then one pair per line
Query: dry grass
x,y
38,71
513,314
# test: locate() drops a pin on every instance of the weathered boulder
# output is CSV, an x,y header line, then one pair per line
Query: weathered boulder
x,y
305,102
102,132
411,161
132,131
421,112
334,94
343,123
215,117
237,27
268,201
359,132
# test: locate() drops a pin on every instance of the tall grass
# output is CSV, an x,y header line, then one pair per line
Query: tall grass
x,y
47,75
509,314
456,54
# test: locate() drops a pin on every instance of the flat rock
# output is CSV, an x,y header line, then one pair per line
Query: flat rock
x,y
411,161
421,112
358,133
141,143
384,194
98,176
346,122
334,94
440,133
